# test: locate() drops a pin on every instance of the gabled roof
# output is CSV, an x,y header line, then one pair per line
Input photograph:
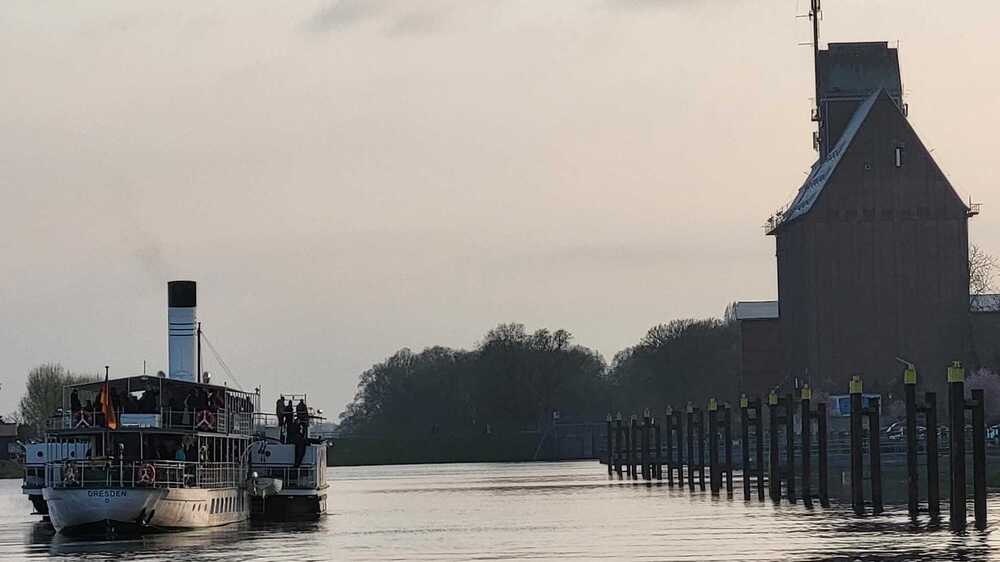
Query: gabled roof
x,y
823,169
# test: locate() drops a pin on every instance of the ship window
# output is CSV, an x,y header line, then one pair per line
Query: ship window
x,y
899,157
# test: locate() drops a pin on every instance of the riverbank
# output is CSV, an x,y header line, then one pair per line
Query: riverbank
x,y
435,449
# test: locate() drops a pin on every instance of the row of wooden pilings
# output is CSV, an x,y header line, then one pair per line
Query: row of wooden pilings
x,y
643,449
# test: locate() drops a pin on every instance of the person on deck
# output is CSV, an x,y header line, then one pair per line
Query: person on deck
x,y
279,410
302,414
289,414
75,406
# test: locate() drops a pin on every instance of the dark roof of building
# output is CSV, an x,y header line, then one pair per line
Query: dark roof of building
x,y
823,169
756,310
856,70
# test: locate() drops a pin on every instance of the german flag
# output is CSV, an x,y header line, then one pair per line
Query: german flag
x,y
107,408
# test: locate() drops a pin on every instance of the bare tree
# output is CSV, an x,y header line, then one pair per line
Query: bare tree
x,y
982,268
43,393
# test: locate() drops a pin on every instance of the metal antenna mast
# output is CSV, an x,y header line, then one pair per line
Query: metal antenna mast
x,y
814,15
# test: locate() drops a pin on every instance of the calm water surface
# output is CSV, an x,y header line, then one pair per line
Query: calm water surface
x,y
557,511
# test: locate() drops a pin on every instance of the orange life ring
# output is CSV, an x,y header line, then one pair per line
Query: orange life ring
x,y
147,474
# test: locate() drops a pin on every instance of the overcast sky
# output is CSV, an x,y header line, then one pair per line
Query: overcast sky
x,y
346,178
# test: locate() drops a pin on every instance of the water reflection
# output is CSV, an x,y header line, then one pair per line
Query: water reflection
x,y
568,511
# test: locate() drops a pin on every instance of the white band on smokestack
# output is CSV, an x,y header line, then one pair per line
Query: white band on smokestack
x,y
182,327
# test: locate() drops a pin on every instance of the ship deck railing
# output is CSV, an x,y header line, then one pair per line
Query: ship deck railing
x,y
208,420
292,478
268,425
144,474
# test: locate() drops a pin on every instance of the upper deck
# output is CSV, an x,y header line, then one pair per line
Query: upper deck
x,y
157,403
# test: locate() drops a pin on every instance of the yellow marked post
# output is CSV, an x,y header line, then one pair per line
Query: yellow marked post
x,y
956,373
856,386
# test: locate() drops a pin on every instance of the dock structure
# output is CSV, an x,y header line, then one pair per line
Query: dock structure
x,y
797,428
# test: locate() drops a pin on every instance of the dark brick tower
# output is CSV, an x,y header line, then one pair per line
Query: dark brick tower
x,y
873,251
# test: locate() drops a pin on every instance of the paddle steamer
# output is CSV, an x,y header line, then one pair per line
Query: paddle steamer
x,y
160,452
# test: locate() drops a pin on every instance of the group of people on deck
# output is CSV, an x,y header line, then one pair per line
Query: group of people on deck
x,y
294,423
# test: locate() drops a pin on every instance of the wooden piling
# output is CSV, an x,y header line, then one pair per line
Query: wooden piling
x,y
690,446
773,480
956,411
979,457
611,452
700,420
680,448
875,454
715,477
805,426
669,429
644,446
823,456
619,441
657,452
912,478
790,447
933,465
857,461
630,448
745,448
727,447
758,408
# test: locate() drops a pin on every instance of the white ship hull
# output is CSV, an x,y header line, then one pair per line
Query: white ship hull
x,y
75,509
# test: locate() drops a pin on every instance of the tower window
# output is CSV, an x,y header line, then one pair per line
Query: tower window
x,y
899,157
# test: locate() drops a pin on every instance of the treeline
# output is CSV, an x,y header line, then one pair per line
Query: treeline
x,y
514,380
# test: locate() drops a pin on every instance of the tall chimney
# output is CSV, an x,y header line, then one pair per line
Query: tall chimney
x,y
182,301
